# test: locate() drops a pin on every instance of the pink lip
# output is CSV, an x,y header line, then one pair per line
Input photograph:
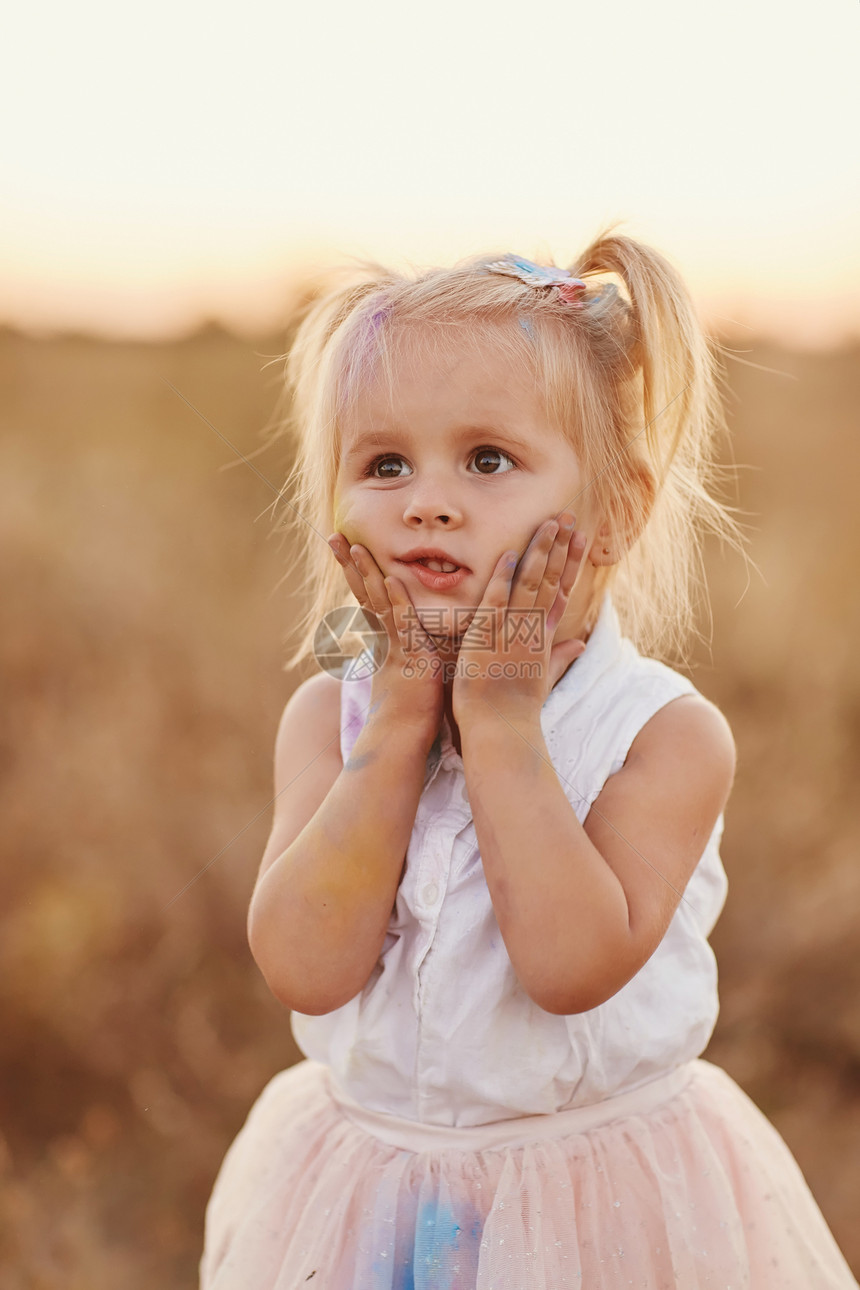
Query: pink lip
x,y
430,553
433,580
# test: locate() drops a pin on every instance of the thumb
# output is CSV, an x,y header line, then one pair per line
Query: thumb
x,y
561,657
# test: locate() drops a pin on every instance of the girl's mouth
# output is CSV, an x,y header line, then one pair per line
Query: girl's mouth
x,y
437,575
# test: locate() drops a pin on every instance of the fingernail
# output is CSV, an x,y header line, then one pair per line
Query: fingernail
x,y
568,521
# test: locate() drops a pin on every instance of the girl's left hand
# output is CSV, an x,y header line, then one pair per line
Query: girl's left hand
x,y
507,658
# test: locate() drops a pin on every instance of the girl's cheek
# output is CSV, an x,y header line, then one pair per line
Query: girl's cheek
x,y
348,521
343,520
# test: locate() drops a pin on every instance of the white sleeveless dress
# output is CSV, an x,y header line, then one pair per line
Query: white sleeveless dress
x,y
445,1133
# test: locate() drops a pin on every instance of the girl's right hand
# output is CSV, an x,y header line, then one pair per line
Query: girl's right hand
x,y
409,683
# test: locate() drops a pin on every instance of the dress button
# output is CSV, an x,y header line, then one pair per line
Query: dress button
x,y
430,894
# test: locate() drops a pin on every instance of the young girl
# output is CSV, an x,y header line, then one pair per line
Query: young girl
x,y
494,860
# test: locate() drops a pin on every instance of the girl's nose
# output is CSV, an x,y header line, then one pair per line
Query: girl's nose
x,y
430,506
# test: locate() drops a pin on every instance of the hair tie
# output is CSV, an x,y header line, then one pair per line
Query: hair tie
x,y
570,289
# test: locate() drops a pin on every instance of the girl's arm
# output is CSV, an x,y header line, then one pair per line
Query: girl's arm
x,y
581,908
334,860
331,867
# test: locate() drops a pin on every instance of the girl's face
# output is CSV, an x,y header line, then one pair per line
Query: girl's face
x,y
458,462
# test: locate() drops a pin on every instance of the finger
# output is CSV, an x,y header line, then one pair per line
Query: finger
x,y
572,567
490,612
341,551
532,566
498,590
364,579
371,574
339,547
411,633
556,561
359,569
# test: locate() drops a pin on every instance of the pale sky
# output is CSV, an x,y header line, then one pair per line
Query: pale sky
x,y
180,160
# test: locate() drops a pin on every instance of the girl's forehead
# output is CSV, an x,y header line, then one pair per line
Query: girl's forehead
x,y
441,396
455,361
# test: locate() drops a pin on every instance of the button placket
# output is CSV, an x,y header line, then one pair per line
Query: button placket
x,y
441,832
430,893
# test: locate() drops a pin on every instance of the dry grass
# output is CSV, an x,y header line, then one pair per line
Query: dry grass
x,y
141,649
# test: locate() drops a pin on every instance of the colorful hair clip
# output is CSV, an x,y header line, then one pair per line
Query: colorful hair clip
x,y
570,289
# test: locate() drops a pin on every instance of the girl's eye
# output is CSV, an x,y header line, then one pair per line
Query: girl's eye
x,y
388,468
491,461
485,458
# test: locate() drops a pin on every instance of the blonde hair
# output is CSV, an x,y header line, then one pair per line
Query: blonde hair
x,y
630,379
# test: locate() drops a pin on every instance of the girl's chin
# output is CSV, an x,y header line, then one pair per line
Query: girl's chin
x,y
447,624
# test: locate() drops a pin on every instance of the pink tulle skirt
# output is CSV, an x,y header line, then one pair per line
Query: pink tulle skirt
x,y
680,1183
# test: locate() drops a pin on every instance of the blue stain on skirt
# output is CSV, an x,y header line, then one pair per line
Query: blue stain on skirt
x,y
437,1238
445,1255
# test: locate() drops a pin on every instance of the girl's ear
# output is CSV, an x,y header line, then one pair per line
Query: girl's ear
x,y
625,518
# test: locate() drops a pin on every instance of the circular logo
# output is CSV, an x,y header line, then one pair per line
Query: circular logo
x,y
350,643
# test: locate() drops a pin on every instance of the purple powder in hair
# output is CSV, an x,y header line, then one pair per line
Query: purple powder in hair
x,y
365,349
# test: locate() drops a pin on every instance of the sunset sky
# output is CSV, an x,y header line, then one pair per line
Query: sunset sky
x,y
180,160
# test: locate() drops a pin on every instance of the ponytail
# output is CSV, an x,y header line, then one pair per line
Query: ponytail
x,y
676,422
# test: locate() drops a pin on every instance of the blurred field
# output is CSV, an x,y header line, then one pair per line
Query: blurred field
x,y
141,652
